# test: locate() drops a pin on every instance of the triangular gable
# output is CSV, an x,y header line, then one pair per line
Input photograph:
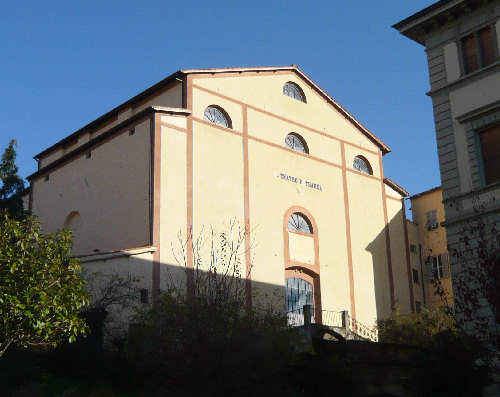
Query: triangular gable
x,y
293,68
181,74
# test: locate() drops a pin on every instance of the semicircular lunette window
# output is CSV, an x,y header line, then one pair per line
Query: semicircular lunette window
x,y
217,116
295,142
293,91
361,164
299,223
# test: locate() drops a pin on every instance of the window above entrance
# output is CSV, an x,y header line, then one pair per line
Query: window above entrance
x,y
299,223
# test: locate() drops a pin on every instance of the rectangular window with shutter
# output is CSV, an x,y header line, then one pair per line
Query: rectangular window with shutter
x,y
445,265
431,220
439,267
478,50
490,152
470,54
414,273
486,43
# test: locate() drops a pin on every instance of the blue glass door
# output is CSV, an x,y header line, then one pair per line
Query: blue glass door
x,y
299,292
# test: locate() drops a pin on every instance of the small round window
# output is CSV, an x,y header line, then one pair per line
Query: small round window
x,y
216,115
295,142
299,223
293,91
361,164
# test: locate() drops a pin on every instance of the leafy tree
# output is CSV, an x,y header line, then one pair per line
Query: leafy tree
x,y
445,361
475,250
41,289
415,329
11,202
476,279
206,341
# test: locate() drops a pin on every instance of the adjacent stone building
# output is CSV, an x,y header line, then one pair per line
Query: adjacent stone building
x,y
461,39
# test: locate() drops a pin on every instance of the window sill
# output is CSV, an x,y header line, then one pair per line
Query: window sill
x,y
477,191
466,78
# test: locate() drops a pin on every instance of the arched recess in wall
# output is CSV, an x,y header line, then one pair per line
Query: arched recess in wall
x,y
301,254
74,222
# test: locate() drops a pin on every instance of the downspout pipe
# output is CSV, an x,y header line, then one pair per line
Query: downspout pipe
x,y
421,270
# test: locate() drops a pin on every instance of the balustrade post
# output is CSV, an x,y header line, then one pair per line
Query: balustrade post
x,y
345,319
307,314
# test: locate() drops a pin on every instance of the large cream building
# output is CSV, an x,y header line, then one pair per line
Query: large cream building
x,y
265,146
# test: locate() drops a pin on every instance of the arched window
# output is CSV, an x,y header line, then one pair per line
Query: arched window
x,y
217,115
296,142
361,164
298,222
299,292
293,91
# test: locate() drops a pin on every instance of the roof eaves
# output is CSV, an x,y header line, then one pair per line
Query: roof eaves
x,y
102,137
144,94
239,69
421,14
385,149
425,192
177,75
419,25
389,182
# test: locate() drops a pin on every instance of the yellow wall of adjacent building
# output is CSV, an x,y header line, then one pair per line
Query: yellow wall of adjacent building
x,y
433,241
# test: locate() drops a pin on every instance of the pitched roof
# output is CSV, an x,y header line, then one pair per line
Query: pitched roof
x,y
396,187
294,68
437,15
179,76
425,192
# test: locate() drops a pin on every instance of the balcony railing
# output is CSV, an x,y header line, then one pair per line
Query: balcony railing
x,y
335,319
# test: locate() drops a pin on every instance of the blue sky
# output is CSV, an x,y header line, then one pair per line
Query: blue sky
x,y
65,63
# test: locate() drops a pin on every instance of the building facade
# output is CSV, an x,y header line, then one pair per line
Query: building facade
x,y
265,147
461,38
429,250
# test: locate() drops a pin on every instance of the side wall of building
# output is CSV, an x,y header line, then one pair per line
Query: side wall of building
x,y
104,189
170,96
